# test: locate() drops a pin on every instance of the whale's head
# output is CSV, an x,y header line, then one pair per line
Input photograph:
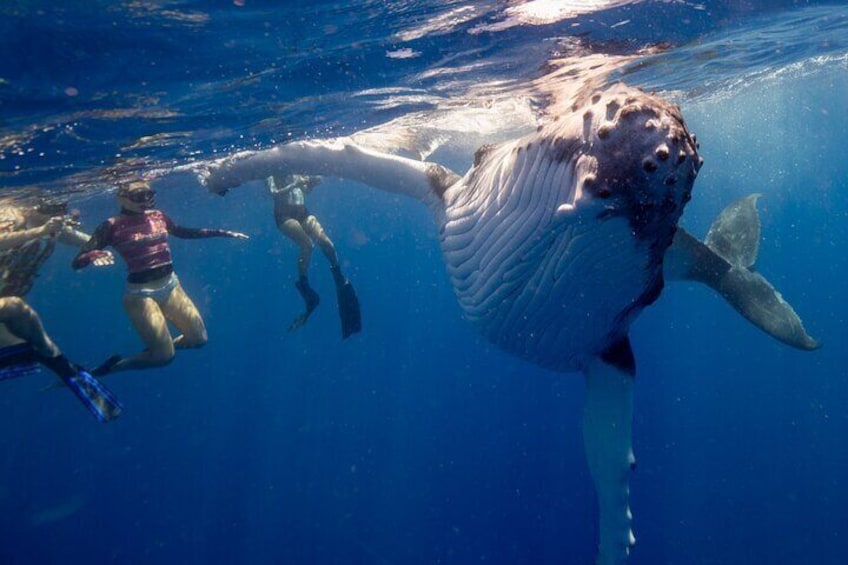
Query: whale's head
x,y
634,159
555,241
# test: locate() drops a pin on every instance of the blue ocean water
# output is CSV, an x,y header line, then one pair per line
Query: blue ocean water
x,y
416,441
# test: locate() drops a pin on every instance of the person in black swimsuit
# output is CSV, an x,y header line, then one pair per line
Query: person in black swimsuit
x,y
296,222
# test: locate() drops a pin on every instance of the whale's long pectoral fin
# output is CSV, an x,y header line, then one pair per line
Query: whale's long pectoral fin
x,y
607,439
724,263
341,158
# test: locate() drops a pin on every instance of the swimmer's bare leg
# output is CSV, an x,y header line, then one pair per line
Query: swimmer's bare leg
x,y
150,323
181,311
313,227
23,322
349,311
292,229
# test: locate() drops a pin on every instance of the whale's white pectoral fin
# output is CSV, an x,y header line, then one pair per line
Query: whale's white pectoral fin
x,y
607,439
341,158
724,264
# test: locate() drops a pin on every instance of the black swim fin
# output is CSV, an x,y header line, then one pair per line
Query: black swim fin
x,y
106,366
349,312
311,300
98,399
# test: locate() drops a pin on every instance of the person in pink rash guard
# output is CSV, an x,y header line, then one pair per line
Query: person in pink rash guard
x,y
153,295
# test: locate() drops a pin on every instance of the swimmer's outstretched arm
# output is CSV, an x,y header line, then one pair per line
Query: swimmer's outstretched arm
x,y
93,251
341,158
199,233
73,237
13,239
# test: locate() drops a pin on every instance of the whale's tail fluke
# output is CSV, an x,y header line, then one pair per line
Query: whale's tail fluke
x,y
724,262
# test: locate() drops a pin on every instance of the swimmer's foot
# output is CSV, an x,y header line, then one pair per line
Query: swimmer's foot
x,y
310,298
106,367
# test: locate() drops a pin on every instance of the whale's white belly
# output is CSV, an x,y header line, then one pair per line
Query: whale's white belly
x,y
554,297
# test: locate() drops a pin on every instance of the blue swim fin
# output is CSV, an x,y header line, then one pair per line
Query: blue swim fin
x,y
18,371
17,361
99,400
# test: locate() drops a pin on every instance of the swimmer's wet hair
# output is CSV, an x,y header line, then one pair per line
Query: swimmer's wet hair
x,y
51,207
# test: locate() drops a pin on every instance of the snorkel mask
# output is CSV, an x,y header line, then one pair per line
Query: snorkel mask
x,y
137,196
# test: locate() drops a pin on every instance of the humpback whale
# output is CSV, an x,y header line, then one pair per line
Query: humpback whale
x,y
556,241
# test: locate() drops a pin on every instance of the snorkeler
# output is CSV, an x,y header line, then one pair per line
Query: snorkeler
x,y
27,238
303,228
153,295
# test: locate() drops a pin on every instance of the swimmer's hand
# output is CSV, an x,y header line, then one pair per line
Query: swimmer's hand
x,y
59,224
102,258
53,226
310,182
236,235
70,223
